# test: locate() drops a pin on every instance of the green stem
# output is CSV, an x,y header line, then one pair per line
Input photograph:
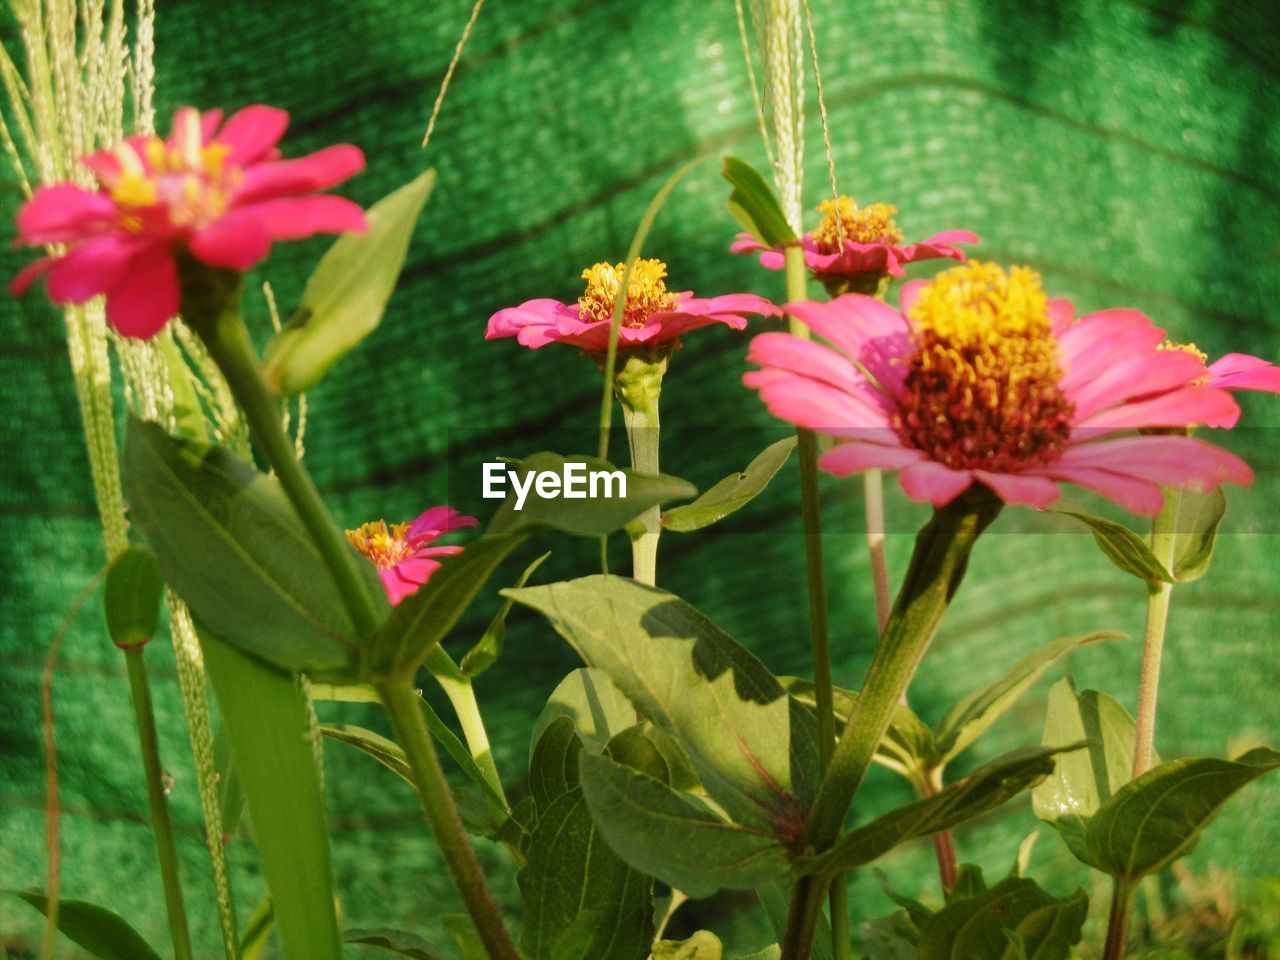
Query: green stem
x,y
211,308
803,914
401,704
457,687
873,490
937,567
944,845
1118,920
1163,542
638,386
161,825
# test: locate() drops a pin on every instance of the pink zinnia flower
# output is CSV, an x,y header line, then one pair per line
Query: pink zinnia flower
x,y
984,380
217,191
1237,371
858,246
654,316
403,552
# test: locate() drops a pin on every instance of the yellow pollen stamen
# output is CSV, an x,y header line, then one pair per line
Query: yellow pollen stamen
x,y
385,545
647,292
982,389
1195,351
844,220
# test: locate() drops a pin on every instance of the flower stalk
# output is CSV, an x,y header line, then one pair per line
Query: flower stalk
x,y
638,386
458,688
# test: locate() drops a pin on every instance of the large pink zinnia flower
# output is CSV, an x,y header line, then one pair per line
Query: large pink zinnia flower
x,y
984,380
653,316
403,552
218,191
853,242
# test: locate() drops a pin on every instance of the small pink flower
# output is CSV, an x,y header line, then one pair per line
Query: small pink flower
x,y
858,246
218,191
653,316
984,380
403,551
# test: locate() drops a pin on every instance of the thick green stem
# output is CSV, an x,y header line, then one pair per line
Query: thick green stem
x,y
638,386
803,913
1118,921
937,567
873,490
462,695
210,303
401,704
161,825
1163,543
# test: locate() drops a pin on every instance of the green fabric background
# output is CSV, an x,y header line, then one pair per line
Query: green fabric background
x,y
1125,148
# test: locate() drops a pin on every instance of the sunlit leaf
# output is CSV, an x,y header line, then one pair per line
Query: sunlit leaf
x,y
732,493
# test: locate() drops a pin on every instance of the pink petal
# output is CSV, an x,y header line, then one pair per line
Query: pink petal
x,y
292,218
1143,374
438,521
1096,341
1188,406
814,405
910,292
209,121
236,241
1138,496
252,133
397,587
871,332
510,321
664,327
63,212
1038,492
932,482
1239,371
951,236
1061,315
29,274
319,171
730,303
1173,461
746,243
854,456
91,268
416,569
147,296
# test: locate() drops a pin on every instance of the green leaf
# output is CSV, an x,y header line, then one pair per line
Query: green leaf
x,y
581,901
978,928
598,709
703,945
489,647
733,492
345,298
188,415
890,938
132,596
971,717
231,546
587,516
102,932
984,790
1195,522
674,837
230,790
754,204
771,952
465,935
396,941
753,747
1124,548
423,619
270,738
257,931
1155,819
1083,780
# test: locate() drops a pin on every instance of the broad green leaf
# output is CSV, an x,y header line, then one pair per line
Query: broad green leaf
x,y
132,596
257,931
231,546
423,619
674,837
985,789
581,901
1195,521
1155,819
1124,548
978,928
595,513
908,747
270,739
99,931
772,952
395,941
733,492
488,648
703,945
753,747
754,204
969,718
346,296
598,709
1084,779
645,748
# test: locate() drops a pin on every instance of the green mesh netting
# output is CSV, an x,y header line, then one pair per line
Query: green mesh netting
x,y
1127,149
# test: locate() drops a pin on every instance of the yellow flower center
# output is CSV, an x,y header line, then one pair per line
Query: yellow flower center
x,y
647,292
982,389
385,545
843,220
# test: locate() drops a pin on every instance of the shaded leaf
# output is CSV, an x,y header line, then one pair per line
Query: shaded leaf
x,y
396,941
488,648
1124,548
598,709
978,928
1195,523
346,295
703,945
132,597
754,204
890,938
257,931
463,930
99,931
733,492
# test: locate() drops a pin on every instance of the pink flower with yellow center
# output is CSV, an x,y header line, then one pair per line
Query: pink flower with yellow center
x,y
982,379
403,553
1235,371
217,191
653,316
858,245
